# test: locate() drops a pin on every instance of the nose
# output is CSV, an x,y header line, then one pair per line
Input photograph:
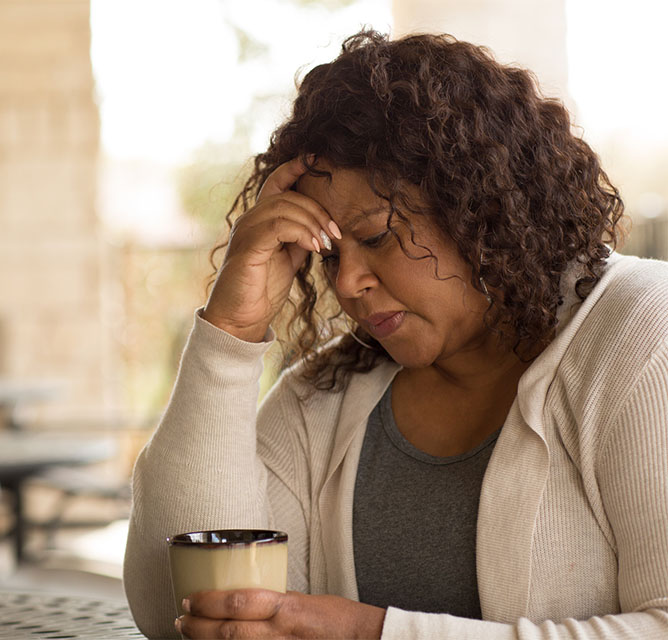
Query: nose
x,y
354,276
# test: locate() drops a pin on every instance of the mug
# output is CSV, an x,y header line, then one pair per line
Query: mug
x,y
227,559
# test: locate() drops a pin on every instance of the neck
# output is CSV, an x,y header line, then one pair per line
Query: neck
x,y
480,367
450,407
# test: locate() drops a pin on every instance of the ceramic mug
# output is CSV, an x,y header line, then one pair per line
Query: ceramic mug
x,y
227,559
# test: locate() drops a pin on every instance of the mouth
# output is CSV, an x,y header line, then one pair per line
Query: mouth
x,y
381,325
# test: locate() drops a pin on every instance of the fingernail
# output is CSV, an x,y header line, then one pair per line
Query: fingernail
x,y
316,244
326,242
334,228
185,603
177,624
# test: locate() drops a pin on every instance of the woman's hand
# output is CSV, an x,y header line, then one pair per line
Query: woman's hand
x,y
258,613
267,246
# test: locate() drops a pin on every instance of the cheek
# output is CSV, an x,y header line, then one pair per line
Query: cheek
x,y
346,305
413,282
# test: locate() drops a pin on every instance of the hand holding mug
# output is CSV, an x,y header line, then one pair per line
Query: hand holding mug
x,y
259,613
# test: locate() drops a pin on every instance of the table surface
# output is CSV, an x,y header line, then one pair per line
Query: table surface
x,y
15,391
50,616
25,452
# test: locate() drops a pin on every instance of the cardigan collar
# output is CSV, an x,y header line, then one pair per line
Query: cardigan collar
x,y
518,470
534,383
336,498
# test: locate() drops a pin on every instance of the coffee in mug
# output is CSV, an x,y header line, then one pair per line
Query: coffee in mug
x,y
227,559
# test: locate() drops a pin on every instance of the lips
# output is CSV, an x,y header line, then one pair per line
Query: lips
x,y
381,325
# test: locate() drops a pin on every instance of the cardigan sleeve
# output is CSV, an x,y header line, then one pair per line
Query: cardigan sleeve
x,y
200,470
632,473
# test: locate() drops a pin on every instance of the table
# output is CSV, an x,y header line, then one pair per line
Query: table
x,y
24,454
50,616
16,392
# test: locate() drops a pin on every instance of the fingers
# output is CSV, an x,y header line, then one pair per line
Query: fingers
x,y
243,613
206,628
282,212
241,604
278,185
266,236
282,178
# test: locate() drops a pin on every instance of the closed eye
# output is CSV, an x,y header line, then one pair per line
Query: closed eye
x,y
329,262
375,241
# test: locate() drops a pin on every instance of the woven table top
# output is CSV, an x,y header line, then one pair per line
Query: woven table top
x,y
49,616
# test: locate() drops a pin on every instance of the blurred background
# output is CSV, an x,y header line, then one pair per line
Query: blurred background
x,y
125,130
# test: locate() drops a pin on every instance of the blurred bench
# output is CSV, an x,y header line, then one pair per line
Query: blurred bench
x,y
77,483
26,455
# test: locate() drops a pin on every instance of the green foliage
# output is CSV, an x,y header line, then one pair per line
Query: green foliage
x,y
208,185
249,47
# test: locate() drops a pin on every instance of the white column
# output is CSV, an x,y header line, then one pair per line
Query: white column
x,y
51,259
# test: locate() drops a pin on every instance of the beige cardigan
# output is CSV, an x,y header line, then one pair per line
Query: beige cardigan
x,y
573,520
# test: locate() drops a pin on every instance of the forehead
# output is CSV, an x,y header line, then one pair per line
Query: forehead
x,y
347,196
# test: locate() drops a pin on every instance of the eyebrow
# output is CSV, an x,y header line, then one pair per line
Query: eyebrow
x,y
363,215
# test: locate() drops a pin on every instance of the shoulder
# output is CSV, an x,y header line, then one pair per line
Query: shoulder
x,y
631,311
606,351
639,279
625,317
619,329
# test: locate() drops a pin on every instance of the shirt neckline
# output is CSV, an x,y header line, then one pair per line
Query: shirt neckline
x,y
399,441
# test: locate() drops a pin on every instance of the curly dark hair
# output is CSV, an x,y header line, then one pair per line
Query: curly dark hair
x,y
497,164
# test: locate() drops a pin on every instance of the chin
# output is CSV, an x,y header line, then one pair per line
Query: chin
x,y
411,360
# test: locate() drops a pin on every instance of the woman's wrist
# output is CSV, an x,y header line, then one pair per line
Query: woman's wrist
x,y
254,334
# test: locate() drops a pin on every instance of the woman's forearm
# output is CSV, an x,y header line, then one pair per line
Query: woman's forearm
x,y
199,470
651,624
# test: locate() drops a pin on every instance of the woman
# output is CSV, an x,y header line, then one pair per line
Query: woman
x,y
483,452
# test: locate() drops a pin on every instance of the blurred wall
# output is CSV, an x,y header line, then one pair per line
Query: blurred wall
x,y
529,33
52,279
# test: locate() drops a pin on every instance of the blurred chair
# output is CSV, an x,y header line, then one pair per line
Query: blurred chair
x,y
15,393
67,462
110,495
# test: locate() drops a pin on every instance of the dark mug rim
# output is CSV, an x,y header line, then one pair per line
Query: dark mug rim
x,y
227,538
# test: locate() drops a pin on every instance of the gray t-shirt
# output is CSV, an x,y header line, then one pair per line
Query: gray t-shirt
x,y
414,521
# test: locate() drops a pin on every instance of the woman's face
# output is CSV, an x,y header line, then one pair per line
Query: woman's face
x,y
418,318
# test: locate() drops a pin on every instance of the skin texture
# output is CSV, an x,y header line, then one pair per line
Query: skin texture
x,y
450,357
